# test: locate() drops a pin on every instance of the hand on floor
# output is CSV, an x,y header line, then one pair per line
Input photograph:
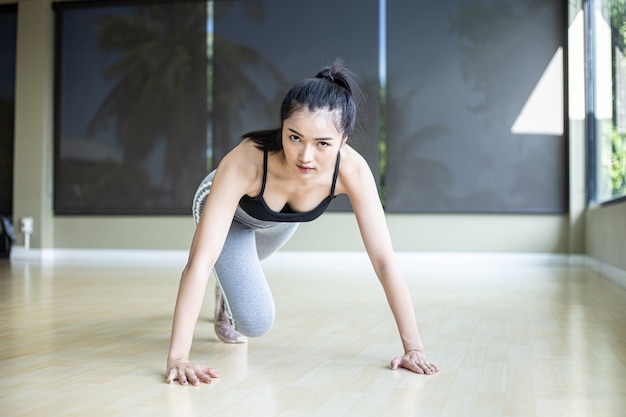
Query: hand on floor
x,y
189,373
415,361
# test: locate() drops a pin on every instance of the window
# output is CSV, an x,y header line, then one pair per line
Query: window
x,y
607,104
475,120
131,114
253,68
464,110
150,97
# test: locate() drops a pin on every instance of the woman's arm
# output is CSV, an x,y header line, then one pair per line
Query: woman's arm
x,y
359,184
232,179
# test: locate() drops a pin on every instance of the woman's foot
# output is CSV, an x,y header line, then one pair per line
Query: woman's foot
x,y
223,327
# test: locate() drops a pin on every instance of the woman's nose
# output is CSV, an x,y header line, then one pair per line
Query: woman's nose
x,y
305,154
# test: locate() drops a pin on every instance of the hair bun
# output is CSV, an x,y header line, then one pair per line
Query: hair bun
x,y
325,73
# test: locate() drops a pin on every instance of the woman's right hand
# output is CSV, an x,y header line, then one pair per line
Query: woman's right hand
x,y
186,373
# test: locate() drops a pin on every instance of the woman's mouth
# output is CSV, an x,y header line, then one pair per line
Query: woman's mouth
x,y
303,168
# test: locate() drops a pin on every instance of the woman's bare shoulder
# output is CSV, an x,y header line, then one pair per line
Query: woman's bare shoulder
x,y
245,157
353,170
243,164
353,163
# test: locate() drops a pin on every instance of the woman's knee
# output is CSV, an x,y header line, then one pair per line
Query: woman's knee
x,y
255,323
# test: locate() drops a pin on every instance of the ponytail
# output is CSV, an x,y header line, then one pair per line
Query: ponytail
x,y
339,74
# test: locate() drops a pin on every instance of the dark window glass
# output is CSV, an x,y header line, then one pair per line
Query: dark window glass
x,y
136,99
475,107
8,34
151,97
282,42
132,116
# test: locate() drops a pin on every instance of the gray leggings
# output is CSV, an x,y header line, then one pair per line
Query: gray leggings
x,y
238,271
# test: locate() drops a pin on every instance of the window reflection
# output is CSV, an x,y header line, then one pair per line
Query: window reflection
x,y
468,84
151,96
143,90
132,116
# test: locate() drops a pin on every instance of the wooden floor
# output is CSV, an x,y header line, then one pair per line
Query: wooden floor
x,y
510,338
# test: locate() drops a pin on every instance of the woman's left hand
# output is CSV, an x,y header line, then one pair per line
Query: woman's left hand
x,y
415,361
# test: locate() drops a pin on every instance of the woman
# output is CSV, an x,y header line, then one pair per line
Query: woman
x,y
261,190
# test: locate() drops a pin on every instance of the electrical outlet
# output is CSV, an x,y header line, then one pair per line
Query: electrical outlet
x,y
27,225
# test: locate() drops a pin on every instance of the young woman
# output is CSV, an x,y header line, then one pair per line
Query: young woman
x,y
261,190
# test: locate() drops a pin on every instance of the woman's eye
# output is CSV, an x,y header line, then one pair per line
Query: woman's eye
x,y
323,144
294,138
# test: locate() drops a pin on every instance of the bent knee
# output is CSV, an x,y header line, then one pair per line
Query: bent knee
x,y
255,325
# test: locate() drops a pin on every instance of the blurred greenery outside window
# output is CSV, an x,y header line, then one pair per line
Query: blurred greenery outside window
x,y
608,21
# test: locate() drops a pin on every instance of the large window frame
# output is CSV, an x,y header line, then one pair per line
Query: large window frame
x,y
527,160
605,101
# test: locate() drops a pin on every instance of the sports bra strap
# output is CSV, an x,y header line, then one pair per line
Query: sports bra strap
x,y
264,172
335,175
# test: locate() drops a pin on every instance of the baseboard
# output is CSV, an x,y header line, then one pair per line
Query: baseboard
x,y
121,256
165,256
345,258
607,270
358,260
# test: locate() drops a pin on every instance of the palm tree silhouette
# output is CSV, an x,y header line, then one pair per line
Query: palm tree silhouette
x,y
160,91
168,88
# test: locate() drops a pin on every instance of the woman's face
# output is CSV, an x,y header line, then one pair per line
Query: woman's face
x,y
311,141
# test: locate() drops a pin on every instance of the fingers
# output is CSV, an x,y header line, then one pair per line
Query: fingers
x,y
192,374
171,376
415,364
426,367
211,372
206,375
191,377
415,368
423,367
178,373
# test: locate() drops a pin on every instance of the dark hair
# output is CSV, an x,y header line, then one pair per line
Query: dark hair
x,y
334,88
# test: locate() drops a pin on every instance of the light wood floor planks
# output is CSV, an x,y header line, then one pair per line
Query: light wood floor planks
x,y
511,339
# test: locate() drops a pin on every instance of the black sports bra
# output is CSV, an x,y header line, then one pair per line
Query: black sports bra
x,y
258,208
